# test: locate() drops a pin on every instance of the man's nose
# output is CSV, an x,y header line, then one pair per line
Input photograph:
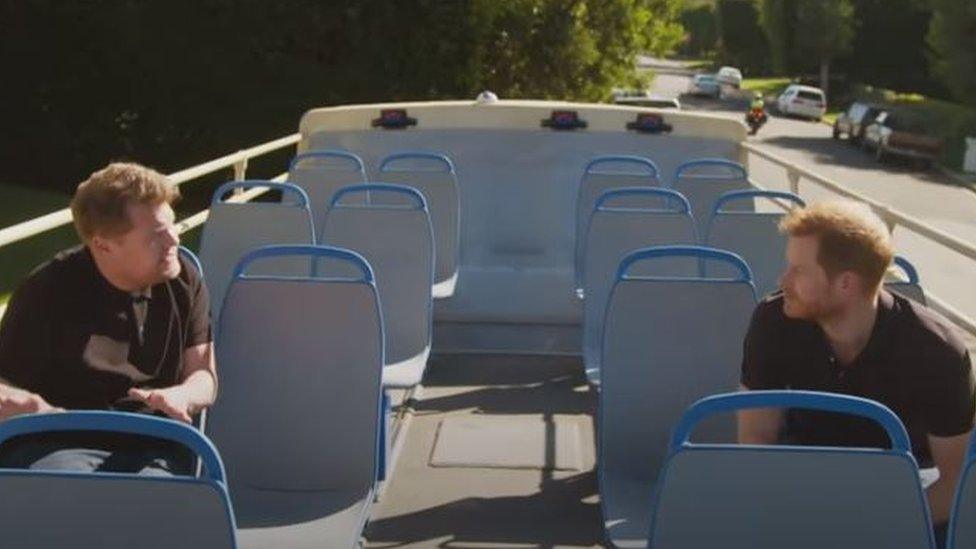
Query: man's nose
x,y
173,236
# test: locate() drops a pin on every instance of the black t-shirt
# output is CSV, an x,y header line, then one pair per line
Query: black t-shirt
x,y
914,363
73,338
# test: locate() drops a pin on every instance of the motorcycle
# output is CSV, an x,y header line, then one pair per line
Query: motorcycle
x,y
755,118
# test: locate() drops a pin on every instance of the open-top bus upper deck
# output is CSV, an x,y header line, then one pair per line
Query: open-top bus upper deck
x,y
539,407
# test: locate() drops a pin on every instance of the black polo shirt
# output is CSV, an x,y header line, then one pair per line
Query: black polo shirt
x,y
79,342
914,362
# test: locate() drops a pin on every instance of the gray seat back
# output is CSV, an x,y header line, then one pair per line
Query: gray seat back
x,y
321,174
962,522
601,174
300,365
434,176
624,220
744,497
235,228
668,341
754,235
910,286
389,225
114,510
703,181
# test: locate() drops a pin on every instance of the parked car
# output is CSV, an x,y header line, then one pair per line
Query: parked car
x,y
896,134
705,84
729,76
805,101
853,120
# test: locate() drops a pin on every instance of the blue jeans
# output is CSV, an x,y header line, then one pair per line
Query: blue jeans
x,y
91,452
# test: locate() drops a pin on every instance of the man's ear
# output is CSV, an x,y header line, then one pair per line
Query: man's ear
x,y
849,282
100,243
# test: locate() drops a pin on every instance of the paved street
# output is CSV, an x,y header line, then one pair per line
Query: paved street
x,y
928,196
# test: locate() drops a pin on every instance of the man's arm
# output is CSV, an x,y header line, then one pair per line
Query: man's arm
x,y
15,401
761,369
948,454
25,347
759,426
198,383
196,391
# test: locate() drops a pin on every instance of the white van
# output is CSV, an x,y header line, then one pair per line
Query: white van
x,y
729,76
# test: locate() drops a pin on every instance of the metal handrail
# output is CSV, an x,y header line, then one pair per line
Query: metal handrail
x,y
892,217
237,160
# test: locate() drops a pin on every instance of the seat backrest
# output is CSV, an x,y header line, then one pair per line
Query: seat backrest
x,y
624,220
727,495
235,228
601,174
962,522
434,176
301,364
321,174
754,235
191,258
389,225
703,181
668,341
910,286
114,510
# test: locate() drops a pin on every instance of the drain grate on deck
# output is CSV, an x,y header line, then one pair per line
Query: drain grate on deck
x,y
510,442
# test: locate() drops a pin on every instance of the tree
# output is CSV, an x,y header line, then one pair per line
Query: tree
x,y
776,19
701,30
889,49
951,36
174,83
808,29
741,40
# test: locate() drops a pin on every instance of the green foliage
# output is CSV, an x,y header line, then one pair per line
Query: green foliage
x,y
776,19
889,49
567,49
952,36
741,40
174,83
802,33
701,25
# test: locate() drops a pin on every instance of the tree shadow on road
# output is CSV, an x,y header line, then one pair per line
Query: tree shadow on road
x,y
842,153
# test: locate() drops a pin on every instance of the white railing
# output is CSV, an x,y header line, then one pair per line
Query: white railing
x,y
238,161
795,174
892,217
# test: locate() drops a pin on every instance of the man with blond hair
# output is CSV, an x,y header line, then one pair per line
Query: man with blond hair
x,y
835,328
119,323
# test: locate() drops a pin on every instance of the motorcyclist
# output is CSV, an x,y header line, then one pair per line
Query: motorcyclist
x,y
756,116
757,104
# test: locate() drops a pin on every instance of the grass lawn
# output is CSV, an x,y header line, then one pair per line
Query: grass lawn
x,y
766,86
19,204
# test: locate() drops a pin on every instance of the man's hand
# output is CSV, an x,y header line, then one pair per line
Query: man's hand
x,y
15,402
172,401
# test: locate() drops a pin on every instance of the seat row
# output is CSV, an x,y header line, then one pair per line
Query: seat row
x,y
298,423
389,225
709,494
322,173
669,341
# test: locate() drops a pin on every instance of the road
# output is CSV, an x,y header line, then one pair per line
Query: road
x,y
928,196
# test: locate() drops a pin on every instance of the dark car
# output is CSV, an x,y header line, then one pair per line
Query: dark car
x,y
853,121
900,135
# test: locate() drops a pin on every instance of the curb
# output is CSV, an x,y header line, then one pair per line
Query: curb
x,y
962,179
966,180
